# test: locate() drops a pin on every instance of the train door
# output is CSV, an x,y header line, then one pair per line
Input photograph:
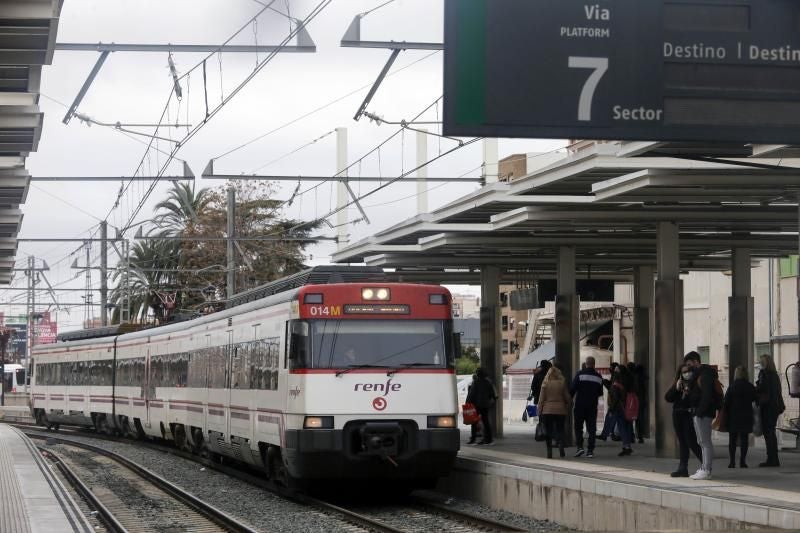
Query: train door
x,y
229,383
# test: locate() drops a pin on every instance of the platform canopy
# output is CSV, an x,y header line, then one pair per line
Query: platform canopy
x,y
605,199
28,29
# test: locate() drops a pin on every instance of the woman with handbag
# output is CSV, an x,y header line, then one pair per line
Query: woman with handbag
x,y
737,415
554,403
770,403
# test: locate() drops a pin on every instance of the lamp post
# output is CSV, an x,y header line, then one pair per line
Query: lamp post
x,y
5,334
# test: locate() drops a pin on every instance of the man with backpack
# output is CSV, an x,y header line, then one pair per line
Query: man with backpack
x,y
706,398
586,388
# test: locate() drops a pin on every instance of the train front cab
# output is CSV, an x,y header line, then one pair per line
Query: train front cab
x,y
372,386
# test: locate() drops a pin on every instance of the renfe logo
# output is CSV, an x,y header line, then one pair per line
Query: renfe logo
x,y
385,388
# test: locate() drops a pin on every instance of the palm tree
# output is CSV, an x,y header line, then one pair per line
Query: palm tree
x,y
180,209
152,268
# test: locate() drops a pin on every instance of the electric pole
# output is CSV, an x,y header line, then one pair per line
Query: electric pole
x,y
103,273
231,288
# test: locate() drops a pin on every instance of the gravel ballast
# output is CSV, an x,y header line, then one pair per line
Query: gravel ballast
x,y
267,511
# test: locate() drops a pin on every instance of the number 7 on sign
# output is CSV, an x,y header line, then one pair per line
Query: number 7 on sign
x,y
600,66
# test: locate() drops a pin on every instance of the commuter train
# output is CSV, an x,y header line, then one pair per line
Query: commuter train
x,y
13,378
309,378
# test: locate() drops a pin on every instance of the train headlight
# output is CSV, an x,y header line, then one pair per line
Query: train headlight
x,y
378,293
318,422
441,422
437,299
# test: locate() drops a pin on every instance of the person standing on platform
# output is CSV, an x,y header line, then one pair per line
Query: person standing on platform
x,y
679,395
554,401
538,378
474,428
586,388
771,406
738,414
609,426
703,403
620,387
484,398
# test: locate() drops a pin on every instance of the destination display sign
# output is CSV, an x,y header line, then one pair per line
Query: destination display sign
x,y
654,70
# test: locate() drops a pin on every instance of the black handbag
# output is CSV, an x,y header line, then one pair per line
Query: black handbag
x,y
541,432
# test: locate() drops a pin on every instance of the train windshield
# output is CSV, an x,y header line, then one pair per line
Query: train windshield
x,y
379,343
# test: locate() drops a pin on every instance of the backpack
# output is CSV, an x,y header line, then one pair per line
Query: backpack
x,y
631,407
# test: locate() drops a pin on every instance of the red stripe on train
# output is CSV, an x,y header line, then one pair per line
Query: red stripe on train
x,y
373,371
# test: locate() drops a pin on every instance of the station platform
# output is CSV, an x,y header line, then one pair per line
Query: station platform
x,y
32,499
633,493
15,413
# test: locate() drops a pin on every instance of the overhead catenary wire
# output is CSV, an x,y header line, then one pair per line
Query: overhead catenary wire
x,y
318,109
296,150
300,25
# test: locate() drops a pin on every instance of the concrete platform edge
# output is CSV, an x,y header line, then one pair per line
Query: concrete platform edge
x,y
589,502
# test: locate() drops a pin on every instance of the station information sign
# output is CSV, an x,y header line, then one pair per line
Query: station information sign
x,y
655,70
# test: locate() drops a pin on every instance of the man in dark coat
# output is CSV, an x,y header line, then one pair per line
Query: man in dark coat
x,y
586,388
483,397
704,405
536,382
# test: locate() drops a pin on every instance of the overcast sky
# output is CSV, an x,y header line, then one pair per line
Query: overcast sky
x,y
132,88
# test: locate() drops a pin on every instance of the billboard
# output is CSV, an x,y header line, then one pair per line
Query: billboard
x,y
650,70
45,330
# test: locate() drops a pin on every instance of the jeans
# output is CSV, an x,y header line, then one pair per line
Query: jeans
x,y
702,426
768,424
741,439
587,415
609,426
683,424
623,426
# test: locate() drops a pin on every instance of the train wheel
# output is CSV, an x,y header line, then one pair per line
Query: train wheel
x,y
280,474
179,434
104,427
127,430
198,444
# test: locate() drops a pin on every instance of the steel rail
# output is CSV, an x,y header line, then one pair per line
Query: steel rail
x,y
347,515
212,513
464,516
106,516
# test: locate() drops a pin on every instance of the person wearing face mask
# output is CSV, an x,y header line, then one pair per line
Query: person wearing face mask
x,y
770,403
679,395
704,404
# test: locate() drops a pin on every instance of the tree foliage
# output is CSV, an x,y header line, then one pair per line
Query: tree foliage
x,y
196,270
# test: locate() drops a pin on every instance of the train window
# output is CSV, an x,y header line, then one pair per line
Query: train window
x,y
198,367
217,363
238,367
390,343
299,344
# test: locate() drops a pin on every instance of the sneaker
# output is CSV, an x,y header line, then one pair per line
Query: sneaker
x,y
601,437
624,452
680,473
589,454
700,475
580,453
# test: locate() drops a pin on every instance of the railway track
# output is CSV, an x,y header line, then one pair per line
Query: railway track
x,y
415,514
128,497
